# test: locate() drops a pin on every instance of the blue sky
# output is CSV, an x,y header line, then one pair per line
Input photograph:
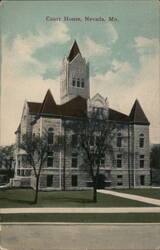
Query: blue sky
x,y
123,55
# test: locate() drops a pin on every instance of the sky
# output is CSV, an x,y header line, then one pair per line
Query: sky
x,y
123,55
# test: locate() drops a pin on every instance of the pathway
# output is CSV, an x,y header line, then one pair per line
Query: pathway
x,y
131,196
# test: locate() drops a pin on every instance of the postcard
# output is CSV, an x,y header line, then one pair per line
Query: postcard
x,y
80,116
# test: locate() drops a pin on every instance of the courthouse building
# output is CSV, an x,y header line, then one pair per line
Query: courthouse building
x,y
64,169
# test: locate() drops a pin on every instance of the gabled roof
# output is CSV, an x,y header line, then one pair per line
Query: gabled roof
x,y
117,116
74,51
137,114
34,107
48,104
75,107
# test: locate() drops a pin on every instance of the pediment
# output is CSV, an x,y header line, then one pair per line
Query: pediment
x,y
98,101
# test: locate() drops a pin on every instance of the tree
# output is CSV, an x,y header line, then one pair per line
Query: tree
x,y
155,164
37,149
95,135
6,156
6,160
155,157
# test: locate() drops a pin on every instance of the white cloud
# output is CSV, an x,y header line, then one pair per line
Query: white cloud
x,y
21,53
111,33
91,48
21,75
145,45
116,78
122,89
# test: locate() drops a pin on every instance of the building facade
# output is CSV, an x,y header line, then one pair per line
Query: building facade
x,y
65,169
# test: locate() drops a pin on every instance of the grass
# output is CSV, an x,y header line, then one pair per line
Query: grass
x,y
148,192
24,198
85,218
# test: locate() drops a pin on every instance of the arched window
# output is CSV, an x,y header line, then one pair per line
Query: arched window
x,y
141,140
119,140
50,135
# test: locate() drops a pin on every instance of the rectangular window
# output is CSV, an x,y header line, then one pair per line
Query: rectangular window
x,y
119,180
74,180
100,160
142,180
18,172
74,160
141,142
119,161
119,176
141,162
22,173
119,142
119,183
50,159
73,82
78,83
49,180
28,172
82,83
74,140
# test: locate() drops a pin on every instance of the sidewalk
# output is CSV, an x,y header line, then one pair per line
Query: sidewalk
x,y
131,197
80,210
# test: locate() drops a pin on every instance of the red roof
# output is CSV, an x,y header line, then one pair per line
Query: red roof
x,y
77,107
137,114
74,51
117,116
49,105
34,107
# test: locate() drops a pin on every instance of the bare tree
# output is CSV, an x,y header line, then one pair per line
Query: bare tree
x,y
37,149
95,139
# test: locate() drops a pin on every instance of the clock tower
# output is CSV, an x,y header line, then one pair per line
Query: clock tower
x,y
74,76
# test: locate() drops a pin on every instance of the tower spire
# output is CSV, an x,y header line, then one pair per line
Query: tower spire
x,y
74,51
137,114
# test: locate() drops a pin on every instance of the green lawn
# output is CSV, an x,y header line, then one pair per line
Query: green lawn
x,y
24,198
86,218
148,192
